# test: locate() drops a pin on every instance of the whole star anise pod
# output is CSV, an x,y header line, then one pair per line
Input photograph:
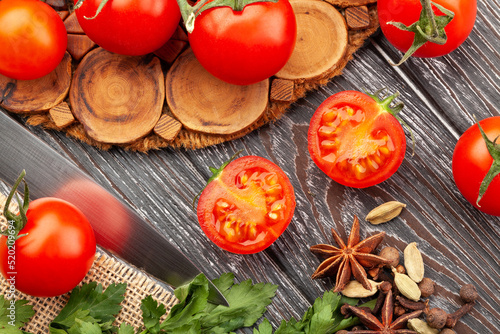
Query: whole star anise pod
x,y
349,259
386,326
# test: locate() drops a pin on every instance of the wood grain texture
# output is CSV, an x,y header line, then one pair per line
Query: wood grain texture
x,y
459,244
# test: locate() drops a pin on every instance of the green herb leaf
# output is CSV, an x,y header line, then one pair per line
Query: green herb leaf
x,y
14,314
90,303
126,329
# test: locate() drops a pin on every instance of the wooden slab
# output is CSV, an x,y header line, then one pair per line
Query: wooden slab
x,y
201,102
33,96
321,40
118,99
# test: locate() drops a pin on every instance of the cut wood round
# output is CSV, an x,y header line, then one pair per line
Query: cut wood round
x,y
118,99
203,103
33,96
322,40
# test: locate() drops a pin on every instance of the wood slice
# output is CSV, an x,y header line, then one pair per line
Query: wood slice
x,y
33,96
203,103
118,99
322,40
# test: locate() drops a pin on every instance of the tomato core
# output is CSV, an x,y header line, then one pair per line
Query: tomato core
x,y
349,143
250,222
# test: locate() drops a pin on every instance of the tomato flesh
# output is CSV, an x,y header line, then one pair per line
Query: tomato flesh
x,y
248,207
355,141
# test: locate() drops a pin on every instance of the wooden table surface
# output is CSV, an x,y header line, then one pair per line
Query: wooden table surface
x,y
459,243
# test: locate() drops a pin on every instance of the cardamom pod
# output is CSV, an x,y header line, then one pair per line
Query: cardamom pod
x,y
421,327
385,212
414,263
406,286
354,289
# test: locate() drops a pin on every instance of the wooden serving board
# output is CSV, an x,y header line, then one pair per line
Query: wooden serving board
x,y
166,99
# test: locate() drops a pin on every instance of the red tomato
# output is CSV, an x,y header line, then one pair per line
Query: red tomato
x,y
33,39
472,161
247,205
129,27
408,12
247,46
56,253
355,140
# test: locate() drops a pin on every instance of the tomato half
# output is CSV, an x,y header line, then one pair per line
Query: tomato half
x,y
33,39
355,140
408,12
129,27
247,206
245,46
472,161
55,254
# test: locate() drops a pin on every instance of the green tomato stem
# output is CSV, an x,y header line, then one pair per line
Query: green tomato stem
x,y
189,13
17,221
429,28
394,110
494,150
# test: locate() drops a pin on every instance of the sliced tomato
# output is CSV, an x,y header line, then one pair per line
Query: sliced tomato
x,y
356,140
247,205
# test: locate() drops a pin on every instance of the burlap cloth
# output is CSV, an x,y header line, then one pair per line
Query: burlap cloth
x,y
106,270
192,140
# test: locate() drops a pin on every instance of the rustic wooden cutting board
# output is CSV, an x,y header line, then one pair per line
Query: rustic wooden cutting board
x,y
167,99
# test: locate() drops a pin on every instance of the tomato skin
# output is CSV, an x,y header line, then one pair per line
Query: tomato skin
x,y
356,142
408,12
471,162
130,27
251,202
33,39
248,46
56,253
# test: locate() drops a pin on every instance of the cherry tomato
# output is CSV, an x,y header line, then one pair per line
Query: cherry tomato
x,y
472,161
129,27
33,39
245,46
247,205
55,254
355,140
408,12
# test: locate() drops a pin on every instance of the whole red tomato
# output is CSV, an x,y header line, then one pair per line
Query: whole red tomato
x,y
472,161
54,251
356,140
246,205
33,39
129,27
245,46
408,12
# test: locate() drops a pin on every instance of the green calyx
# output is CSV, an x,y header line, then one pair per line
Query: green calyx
x,y
216,172
385,103
429,28
494,150
16,222
189,13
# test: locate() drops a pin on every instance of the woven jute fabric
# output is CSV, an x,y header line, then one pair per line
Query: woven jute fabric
x,y
189,139
106,270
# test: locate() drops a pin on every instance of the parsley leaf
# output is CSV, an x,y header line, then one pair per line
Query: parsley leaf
x,y
194,314
14,314
89,305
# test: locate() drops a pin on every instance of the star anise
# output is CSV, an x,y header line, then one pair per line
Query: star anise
x,y
349,259
386,326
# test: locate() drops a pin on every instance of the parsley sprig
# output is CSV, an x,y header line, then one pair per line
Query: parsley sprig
x,y
91,309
